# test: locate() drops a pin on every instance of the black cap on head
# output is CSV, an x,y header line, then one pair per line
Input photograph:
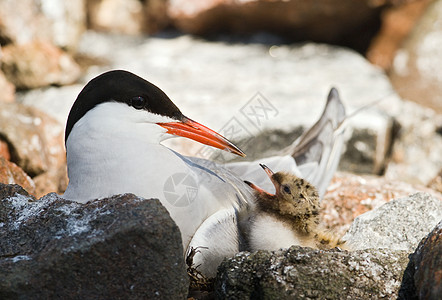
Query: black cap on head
x,y
121,86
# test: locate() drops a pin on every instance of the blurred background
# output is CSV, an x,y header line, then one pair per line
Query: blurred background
x,y
257,71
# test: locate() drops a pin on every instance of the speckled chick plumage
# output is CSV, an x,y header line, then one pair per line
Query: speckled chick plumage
x,y
292,214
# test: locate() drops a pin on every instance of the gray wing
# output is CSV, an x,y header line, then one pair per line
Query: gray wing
x,y
318,150
222,182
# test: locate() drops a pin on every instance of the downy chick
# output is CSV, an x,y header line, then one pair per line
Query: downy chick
x,y
288,217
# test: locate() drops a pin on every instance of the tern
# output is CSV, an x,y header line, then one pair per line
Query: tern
x,y
113,139
288,217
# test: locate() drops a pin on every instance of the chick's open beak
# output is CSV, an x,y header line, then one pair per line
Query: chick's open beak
x,y
270,174
256,188
260,190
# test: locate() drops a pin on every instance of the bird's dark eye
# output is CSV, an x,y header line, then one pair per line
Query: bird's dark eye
x,y
138,102
286,189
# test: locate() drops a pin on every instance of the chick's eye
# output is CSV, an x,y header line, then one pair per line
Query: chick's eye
x,y
138,102
286,189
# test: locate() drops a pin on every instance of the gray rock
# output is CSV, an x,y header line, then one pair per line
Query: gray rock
x,y
306,273
120,247
10,190
397,225
414,159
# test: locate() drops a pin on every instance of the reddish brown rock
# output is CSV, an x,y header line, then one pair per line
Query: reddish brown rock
x,y
416,74
7,89
155,15
10,173
436,182
349,196
118,16
51,181
38,64
4,150
322,20
35,140
127,16
397,22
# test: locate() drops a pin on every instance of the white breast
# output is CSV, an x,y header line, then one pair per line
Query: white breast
x,y
269,233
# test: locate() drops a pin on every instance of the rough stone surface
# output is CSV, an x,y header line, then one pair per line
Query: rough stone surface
x,y
426,265
397,225
120,247
58,22
350,195
38,64
35,140
415,72
10,173
9,190
306,273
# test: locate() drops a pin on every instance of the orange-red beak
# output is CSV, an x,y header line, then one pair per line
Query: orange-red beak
x,y
193,130
256,188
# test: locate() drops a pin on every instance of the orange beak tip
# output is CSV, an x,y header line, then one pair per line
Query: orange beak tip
x,y
241,153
